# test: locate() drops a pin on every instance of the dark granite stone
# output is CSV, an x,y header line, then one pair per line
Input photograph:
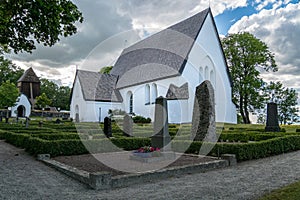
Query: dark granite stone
x,y
127,126
161,137
272,118
203,122
107,127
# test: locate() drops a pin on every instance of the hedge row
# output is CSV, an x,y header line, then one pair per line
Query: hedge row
x,y
245,151
40,144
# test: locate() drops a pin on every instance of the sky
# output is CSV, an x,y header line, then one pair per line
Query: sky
x,y
110,26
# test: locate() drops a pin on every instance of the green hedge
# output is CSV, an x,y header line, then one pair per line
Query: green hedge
x,y
245,151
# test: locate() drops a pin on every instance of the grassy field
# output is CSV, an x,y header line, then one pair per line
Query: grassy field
x,y
290,192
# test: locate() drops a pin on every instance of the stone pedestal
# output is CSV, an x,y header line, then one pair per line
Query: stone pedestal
x,y
161,138
272,118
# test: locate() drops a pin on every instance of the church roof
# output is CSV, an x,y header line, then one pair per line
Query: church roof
x,y
98,87
29,76
161,55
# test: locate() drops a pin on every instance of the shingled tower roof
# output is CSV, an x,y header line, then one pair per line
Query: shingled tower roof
x,y
29,76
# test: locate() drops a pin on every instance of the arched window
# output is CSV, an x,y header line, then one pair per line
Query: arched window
x,y
212,77
206,73
153,93
147,94
130,102
201,79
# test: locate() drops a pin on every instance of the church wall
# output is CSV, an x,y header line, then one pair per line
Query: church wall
x,y
89,111
206,63
177,108
22,101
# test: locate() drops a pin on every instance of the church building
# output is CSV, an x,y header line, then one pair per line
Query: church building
x,y
170,63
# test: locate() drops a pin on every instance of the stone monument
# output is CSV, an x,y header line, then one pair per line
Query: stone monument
x,y
127,126
272,118
161,138
203,121
107,127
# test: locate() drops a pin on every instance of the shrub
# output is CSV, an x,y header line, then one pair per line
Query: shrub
x,y
245,151
141,119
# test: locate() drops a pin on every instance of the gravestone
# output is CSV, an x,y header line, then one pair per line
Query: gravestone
x,y
27,122
272,118
77,118
127,126
107,127
203,121
161,138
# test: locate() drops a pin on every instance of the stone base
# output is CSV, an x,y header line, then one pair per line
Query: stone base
x,y
161,141
272,129
148,158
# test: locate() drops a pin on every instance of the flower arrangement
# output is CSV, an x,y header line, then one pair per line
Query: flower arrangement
x,y
150,151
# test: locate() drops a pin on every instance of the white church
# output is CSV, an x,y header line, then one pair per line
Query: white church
x,y
170,63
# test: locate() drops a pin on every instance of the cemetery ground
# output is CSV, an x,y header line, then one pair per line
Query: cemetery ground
x,y
62,140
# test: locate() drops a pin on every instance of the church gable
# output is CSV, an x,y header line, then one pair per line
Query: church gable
x,y
159,56
178,93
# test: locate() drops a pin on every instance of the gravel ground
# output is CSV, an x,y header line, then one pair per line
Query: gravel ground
x,y
22,177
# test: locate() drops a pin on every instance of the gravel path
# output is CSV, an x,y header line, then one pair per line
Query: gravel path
x,y
22,177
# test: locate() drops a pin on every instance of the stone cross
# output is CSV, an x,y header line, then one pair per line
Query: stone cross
x,y
272,118
127,126
203,121
107,127
161,137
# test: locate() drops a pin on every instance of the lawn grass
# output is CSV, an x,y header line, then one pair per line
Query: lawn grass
x,y
290,192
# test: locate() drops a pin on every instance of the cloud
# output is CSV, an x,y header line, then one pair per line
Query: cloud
x,y
279,28
101,37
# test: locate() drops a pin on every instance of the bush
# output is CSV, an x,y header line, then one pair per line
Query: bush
x,y
141,119
245,151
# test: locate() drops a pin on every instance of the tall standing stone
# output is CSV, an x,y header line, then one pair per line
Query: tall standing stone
x,y
272,118
127,126
161,137
107,127
203,122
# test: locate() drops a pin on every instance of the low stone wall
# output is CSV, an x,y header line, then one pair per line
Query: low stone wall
x,y
103,180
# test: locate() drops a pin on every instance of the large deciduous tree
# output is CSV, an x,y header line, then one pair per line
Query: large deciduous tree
x,y
59,95
245,54
286,98
9,71
8,96
42,101
24,22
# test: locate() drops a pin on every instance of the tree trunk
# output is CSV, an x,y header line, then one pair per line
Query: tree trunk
x,y
246,113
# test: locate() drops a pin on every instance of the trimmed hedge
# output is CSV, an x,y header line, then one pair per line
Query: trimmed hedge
x,y
245,151
61,144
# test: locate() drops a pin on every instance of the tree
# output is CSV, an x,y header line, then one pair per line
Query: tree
x,y
245,54
286,98
8,95
23,21
9,71
59,96
106,70
42,101
63,98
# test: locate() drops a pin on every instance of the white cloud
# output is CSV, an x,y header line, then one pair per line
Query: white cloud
x,y
106,19
279,28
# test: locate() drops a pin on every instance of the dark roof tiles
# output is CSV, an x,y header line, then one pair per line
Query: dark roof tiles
x,y
169,47
29,76
98,87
